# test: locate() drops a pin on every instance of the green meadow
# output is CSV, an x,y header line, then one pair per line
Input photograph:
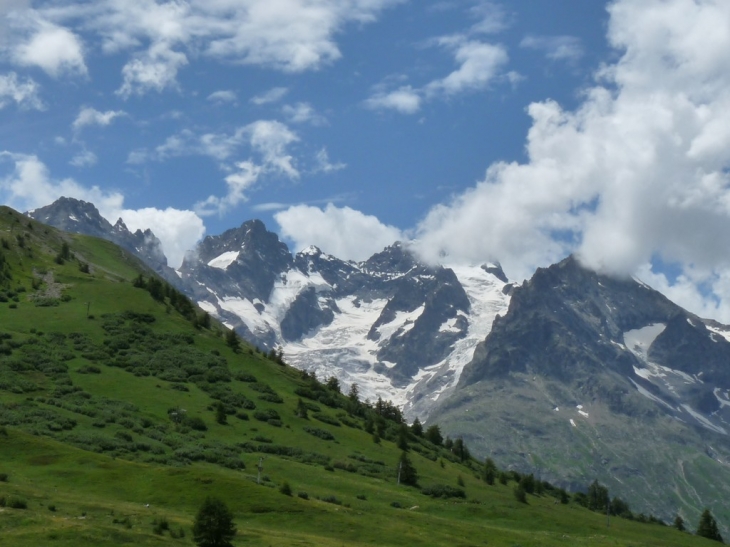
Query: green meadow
x,y
122,407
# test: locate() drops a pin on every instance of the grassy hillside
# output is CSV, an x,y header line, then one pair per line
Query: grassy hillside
x,y
122,408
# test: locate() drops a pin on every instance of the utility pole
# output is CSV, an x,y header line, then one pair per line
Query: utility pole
x,y
400,466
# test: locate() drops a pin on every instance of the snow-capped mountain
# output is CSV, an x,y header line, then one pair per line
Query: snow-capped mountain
x,y
400,329
591,377
572,375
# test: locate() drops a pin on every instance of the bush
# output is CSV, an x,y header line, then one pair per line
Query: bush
x,y
303,495
443,491
396,505
326,418
3,477
332,499
285,489
321,433
52,508
520,494
266,415
17,503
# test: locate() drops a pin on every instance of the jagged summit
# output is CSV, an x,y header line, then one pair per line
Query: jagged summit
x,y
81,217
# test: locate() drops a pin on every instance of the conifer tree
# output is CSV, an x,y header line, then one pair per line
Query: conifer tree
x,y
214,526
433,434
707,527
406,472
490,471
417,428
678,523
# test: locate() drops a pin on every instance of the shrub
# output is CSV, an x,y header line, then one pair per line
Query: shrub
x,y
266,415
520,494
362,497
52,508
443,491
303,495
17,503
321,433
285,489
332,499
327,419
396,505
3,477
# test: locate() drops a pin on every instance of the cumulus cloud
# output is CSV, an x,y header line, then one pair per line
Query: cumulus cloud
x,y
91,116
479,64
640,169
26,183
303,113
223,96
324,165
405,100
40,43
85,158
269,140
340,231
23,92
178,230
273,95
556,48
287,35
154,70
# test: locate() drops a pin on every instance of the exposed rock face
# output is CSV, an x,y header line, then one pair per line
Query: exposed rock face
x,y
587,376
80,217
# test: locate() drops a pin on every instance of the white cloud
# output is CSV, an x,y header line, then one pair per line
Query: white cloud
x,y
223,96
269,139
28,184
303,113
405,100
479,64
24,92
324,165
556,48
53,48
340,231
85,158
273,95
154,70
638,170
178,230
91,116
286,35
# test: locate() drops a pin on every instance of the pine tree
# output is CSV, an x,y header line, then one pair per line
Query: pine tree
x,y
490,471
707,527
301,411
417,428
678,523
406,472
233,341
214,526
433,434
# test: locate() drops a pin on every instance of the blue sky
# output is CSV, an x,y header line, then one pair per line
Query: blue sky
x,y
514,131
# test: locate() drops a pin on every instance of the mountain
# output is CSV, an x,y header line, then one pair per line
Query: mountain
x,y
592,377
400,329
122,410
572,375
81,217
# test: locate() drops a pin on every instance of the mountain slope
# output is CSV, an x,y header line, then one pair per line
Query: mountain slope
x,y
120,410
589,377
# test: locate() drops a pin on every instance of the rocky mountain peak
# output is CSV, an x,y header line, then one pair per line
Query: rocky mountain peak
x,y
81,217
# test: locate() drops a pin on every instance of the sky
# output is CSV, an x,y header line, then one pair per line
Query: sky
x,y
517,132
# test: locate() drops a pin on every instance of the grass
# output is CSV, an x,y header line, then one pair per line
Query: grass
x,y
99,459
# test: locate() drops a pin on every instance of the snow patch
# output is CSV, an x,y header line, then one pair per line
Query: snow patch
x,y
71,217
223,261
704,421
572,423
402,323
640,340
650,395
